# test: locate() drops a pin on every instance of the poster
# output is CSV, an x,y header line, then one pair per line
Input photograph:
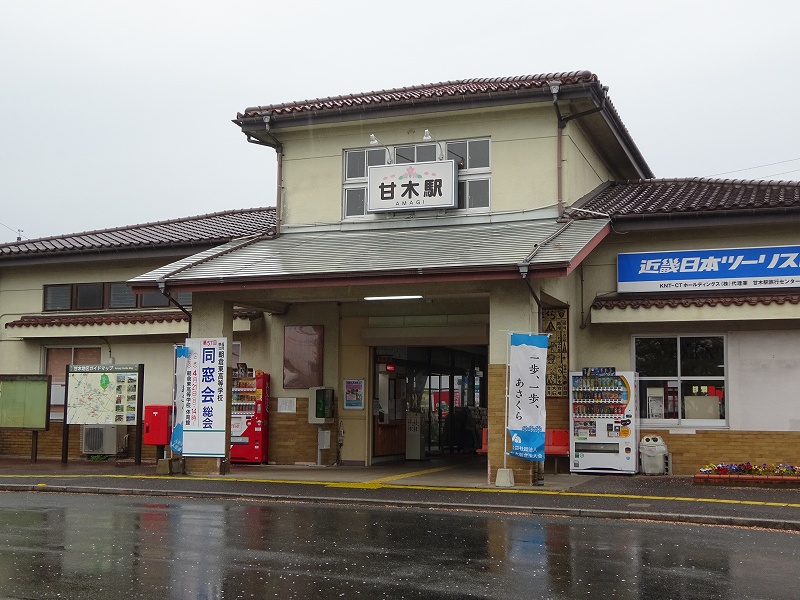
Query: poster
x,y
354,394
526,416
205,415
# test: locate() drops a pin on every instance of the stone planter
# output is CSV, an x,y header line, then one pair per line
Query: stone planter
x,y
779,481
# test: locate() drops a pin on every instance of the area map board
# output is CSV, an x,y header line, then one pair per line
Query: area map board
x,y
103,394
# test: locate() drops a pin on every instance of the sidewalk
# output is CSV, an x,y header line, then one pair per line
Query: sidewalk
x,y
448,483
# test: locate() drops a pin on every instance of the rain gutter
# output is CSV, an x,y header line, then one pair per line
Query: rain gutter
x,y
276,145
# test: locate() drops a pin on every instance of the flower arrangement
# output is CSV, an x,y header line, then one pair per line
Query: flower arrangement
x,y
750,469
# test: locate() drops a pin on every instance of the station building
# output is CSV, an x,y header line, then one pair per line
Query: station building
x,y
415,229
548,189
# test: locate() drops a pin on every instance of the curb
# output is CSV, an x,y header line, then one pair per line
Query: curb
x,y
747,522
768,481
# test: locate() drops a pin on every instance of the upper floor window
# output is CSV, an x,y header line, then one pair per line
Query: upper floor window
x,y
472,157
102,296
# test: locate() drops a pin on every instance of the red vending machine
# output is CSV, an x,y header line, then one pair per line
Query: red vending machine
x,y
250,418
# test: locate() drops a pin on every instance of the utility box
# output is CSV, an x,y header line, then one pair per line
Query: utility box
x,y
156,424
653,454
320,406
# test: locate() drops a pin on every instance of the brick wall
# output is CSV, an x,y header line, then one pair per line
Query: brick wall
x,y
292,439
691,452
557,418
15,442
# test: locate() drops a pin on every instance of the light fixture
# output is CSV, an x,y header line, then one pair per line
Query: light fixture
x,y
374,141
392,297
427,137
555,86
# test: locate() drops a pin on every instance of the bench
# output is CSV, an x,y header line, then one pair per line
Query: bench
x,y
556,444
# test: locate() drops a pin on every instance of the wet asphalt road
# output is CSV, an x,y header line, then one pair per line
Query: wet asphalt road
x,y
86,547
431,484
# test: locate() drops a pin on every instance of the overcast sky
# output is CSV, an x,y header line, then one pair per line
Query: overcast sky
x,y
115,113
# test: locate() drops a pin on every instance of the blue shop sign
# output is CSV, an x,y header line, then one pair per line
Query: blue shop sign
x,y
715,269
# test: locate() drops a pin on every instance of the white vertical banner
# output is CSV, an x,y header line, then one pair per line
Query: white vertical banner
x,y
205,416
526,415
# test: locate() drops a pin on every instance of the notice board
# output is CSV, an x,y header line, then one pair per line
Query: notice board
x,y
25,402
104,394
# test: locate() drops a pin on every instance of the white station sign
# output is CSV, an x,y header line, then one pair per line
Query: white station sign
x,y
412,186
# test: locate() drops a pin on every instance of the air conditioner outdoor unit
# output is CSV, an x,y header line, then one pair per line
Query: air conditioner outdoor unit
x,y
102,439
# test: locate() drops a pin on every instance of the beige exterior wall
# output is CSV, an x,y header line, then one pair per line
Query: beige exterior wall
x,y
762,362
524,159
22,350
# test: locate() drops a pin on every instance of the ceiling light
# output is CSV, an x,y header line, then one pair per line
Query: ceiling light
x,y
392,297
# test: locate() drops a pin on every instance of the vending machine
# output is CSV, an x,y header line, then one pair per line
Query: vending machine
x,y
250,418
603,421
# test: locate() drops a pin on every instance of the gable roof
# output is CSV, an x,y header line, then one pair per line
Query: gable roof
x,y
202,230
579,94
685,201
420,95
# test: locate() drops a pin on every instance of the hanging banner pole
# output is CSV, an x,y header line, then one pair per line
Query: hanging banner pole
x,y
525,414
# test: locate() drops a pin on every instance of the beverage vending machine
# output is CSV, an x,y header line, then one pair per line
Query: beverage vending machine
x,y
250,418
603,421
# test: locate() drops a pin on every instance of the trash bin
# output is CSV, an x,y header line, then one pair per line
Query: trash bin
x,y
653,454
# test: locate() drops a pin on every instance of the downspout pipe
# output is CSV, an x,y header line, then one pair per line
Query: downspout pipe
x,y
555,87
162,287
523,271
275,144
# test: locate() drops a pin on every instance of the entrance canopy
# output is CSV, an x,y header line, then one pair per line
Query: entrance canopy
x,y
334,257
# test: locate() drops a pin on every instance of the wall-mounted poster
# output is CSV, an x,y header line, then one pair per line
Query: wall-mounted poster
x,y
354,394
302,356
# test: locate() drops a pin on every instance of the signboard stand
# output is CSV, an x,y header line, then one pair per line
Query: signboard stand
x,y
104,395
25,405
34,446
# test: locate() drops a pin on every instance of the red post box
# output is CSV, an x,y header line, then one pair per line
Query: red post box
x,y
156,424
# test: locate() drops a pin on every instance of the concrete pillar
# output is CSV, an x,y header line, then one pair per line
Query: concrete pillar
x,y
511,310
212,317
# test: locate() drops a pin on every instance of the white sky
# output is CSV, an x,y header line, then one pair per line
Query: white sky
x,y
115,113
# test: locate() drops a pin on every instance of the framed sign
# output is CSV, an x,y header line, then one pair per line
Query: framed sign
x,y
412,186
205,410
354,394
25,402
302,356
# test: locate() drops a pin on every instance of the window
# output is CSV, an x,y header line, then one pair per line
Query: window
x,y
681,379
104,296
57,297
88,296
471,156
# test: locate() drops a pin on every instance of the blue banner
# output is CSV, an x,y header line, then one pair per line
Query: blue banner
x,y
716,269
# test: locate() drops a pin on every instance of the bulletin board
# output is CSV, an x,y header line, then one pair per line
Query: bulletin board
x,y
25,402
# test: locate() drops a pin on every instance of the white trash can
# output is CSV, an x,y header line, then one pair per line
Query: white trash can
x,y
653,454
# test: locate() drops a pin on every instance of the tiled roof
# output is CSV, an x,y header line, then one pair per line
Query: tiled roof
x,y
764,297
421,94
208,229
115,318
661,197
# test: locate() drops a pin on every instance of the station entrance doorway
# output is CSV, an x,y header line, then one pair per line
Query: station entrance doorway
x,y
428,401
